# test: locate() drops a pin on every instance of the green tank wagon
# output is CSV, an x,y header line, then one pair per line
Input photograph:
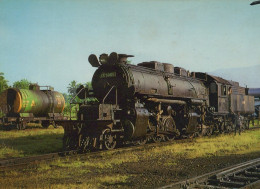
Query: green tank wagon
x,y
22,106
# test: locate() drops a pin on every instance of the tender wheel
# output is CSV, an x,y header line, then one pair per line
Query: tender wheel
x,y
229,129
109,140
221,127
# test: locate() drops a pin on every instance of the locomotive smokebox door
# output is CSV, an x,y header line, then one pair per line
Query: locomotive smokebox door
x,y
136,127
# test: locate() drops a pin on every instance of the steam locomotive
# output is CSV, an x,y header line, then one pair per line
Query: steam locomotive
x,y
152,101
22,106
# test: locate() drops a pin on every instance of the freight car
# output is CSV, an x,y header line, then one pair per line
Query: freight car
x,y
22,106
256,93
152,101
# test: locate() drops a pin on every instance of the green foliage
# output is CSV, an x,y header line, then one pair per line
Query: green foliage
x,y
22,84
89,85
73,87
3,82
72,91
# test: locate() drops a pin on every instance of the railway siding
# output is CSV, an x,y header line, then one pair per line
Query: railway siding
x,y
246,174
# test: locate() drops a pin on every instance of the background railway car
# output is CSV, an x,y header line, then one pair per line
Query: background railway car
x,y
256,93
22,106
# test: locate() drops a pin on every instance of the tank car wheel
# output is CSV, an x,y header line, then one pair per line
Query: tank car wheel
x,y
54,124
20,126
66,141
109,140
45,124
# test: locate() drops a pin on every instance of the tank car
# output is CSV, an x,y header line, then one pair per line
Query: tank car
x,y
151,101
22,106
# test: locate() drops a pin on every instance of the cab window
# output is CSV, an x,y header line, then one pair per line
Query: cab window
x,y
223,90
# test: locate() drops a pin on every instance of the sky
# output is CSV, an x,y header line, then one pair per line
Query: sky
x,y
49,41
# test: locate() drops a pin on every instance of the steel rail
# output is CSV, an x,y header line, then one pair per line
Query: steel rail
x,y
243,175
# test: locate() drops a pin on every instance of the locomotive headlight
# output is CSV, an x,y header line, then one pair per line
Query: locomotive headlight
x,y
103,59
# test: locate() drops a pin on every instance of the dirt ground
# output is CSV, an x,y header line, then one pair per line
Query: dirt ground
x,y
153,174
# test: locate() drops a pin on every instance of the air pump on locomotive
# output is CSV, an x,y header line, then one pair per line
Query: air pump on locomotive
x,y
152,101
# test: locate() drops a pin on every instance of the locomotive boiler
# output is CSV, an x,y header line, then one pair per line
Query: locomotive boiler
x,y
21,106
151,101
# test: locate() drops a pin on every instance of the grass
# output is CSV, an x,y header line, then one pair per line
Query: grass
x,y
132,169
21,143
215,146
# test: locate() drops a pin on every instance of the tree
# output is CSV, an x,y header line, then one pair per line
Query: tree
x,y
3,82
72,88
89,85
22,84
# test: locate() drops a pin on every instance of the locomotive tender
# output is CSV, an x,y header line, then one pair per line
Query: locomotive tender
x,y
22,106
152,101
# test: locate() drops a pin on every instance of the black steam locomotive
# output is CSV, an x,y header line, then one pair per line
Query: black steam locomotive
x,y
152,101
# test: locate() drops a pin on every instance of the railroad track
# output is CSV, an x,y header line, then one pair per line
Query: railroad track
x,y
10,163
21,162
243,175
